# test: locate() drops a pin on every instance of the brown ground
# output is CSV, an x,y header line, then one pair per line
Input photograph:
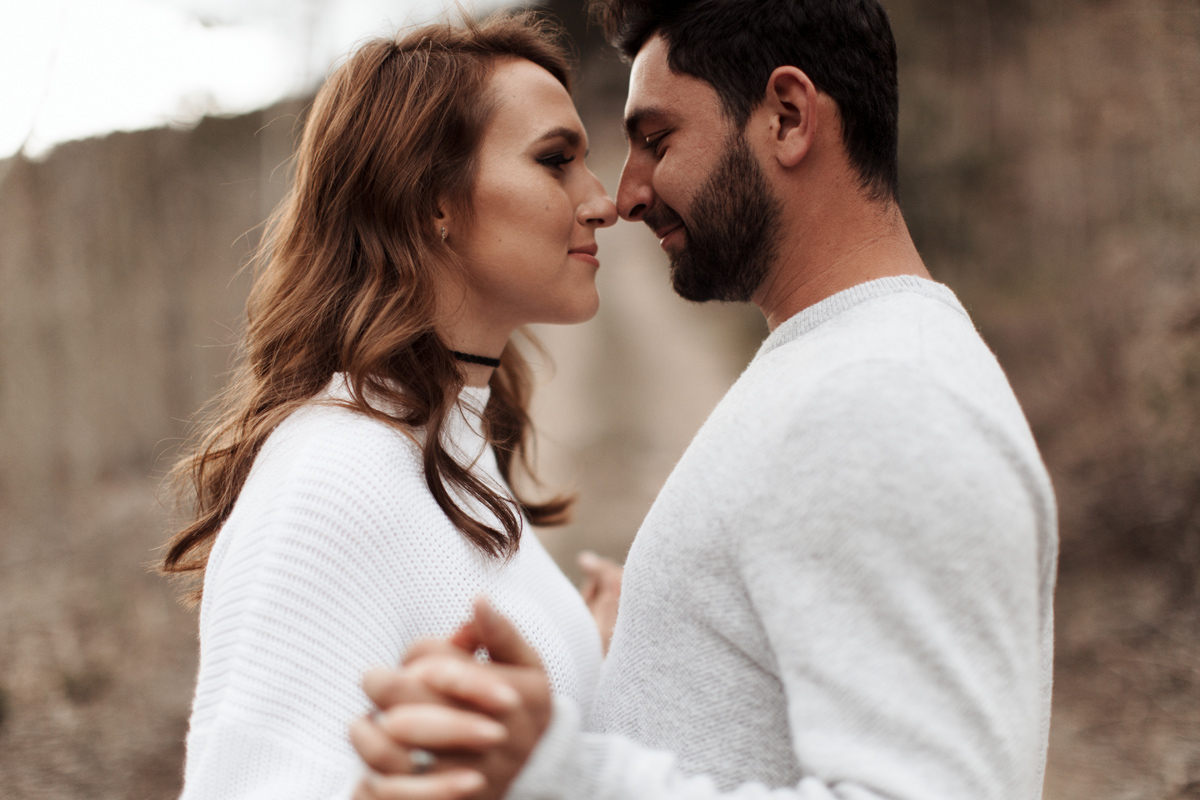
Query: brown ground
x,y
96,660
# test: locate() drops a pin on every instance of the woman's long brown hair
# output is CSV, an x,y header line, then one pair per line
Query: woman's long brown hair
x,y
347,271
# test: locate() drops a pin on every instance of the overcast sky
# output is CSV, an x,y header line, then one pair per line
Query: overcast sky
x,y
70,69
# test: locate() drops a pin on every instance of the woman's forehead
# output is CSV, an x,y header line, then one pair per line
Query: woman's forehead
x,y
531,104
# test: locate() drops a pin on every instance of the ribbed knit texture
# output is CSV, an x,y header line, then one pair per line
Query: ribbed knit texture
x,y
844,589
335,559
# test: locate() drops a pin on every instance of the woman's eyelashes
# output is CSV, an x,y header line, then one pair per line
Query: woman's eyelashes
x,y
556,160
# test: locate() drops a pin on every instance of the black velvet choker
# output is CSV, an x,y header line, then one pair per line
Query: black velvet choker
x,y
483,361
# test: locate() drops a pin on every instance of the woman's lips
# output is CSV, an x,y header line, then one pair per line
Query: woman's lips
x,y
586,254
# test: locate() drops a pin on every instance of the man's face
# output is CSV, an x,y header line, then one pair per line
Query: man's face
x,y
693,179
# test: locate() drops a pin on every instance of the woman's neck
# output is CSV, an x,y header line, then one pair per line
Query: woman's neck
x,y
467,328
476,374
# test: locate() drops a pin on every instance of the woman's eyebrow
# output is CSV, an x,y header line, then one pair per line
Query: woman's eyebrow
x,y
572,136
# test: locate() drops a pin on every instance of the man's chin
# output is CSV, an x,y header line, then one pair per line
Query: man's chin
x,y
692,283
683,282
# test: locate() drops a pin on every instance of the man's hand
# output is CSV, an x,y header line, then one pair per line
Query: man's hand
x,y
601,591
479,721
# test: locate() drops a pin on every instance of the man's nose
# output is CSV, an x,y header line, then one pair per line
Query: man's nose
x,y
634,193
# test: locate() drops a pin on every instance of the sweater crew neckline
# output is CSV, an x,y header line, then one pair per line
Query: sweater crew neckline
x,y
473,397
464,423
819,313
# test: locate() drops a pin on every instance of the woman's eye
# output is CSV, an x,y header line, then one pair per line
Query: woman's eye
x,y
557,160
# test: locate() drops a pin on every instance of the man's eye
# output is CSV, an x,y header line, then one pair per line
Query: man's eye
x,y
557,160
654,142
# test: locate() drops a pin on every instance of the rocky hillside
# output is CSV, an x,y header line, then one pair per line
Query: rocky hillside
x,y
1051,176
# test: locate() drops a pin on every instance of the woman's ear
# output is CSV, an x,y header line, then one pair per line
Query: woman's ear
x,y
792,109
441,223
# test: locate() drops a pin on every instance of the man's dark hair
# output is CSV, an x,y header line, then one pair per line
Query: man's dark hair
x,y
845,46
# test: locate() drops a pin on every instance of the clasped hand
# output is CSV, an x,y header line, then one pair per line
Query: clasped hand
x,y
450,726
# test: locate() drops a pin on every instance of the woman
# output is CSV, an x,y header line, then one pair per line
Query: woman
x,y
355,494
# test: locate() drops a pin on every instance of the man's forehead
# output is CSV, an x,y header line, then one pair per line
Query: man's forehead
x,y
658,94
649,77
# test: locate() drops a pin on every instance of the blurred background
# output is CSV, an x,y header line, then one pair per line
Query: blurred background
x,y
1050,161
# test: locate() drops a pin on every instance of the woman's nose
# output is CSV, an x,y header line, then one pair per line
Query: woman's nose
x,y
599,209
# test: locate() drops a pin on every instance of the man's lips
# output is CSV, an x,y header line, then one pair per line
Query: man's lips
x,y
665,231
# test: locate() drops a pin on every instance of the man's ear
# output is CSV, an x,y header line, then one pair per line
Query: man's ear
x,y
792,109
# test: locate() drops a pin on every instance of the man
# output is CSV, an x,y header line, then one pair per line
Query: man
x,y
845,587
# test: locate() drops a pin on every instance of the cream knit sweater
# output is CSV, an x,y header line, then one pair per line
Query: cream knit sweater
x,y
335,559
845,588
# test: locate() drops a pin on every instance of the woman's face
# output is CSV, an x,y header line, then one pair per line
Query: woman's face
x,y
530,249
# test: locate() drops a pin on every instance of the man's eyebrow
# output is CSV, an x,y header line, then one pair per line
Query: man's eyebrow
x,y
634,121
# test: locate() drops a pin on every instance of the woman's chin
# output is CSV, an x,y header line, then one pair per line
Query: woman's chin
x,y
575,313
588,310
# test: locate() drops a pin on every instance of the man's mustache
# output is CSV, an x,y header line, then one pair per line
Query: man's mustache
x,y
661,216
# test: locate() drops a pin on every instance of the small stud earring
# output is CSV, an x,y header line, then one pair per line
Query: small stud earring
x,y
443,233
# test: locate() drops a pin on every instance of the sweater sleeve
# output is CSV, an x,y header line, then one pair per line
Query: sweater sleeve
x,y
894,559
335,559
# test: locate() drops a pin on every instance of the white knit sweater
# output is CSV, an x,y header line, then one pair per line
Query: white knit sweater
x,y
335,559
845,588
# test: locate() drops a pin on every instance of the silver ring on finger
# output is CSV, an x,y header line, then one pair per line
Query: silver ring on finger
x,y
422,761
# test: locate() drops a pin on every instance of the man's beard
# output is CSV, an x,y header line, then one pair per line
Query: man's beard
x,y
732,236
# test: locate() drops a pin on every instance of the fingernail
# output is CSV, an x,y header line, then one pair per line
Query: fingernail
x,y
492,731
587,557
377,717
505,695
469,781
447,676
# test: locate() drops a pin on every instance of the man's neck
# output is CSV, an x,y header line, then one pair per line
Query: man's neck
x,y
832,252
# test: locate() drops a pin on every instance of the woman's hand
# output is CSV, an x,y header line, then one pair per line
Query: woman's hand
x,y
448,726
601,591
